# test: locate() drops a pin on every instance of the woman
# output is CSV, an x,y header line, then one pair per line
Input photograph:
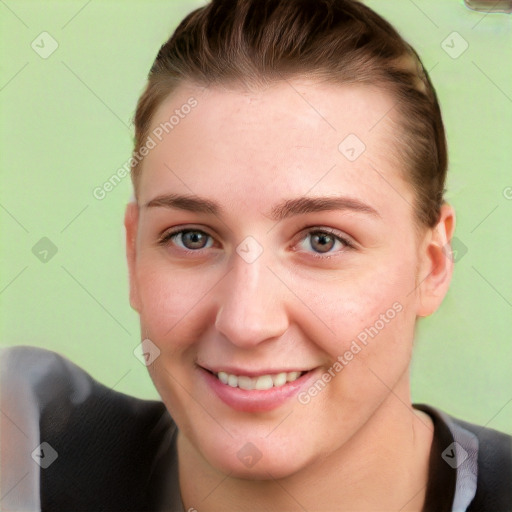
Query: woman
x,y
287,231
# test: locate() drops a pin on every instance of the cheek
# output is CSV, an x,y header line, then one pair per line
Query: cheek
x,y
372,318
171,299
370,303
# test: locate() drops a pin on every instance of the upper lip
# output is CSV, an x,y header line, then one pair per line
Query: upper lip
x,y
232,370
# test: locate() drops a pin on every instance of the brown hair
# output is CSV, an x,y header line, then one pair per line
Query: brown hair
x,y
256,42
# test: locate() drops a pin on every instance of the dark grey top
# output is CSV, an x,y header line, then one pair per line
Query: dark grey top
x,y
71,444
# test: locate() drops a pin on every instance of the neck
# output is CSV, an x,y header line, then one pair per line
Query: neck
x,y
383,467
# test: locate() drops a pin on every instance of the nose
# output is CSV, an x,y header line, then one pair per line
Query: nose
x,y
252,305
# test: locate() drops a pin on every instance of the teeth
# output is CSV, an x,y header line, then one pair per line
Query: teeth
x,y
262,382
233,381
280,379
245,382
290,377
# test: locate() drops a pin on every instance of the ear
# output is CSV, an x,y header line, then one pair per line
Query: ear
x,y
436,263
131,220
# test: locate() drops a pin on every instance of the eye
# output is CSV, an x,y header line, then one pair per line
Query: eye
x,y
188,239
323,241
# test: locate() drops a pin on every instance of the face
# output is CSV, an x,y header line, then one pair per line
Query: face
x,y
281,291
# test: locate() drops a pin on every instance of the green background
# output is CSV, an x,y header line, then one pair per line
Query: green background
x,y
66,128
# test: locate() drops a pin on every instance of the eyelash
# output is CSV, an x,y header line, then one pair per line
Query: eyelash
x,y
326,231
167,237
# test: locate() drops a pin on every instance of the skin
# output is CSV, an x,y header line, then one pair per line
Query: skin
x,y
358,444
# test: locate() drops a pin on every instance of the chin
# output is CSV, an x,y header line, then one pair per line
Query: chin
x,y
262,459
266,468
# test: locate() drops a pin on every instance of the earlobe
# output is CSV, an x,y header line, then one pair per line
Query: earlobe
x,y
131,219
436,263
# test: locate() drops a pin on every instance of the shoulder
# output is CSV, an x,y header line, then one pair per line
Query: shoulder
x,y
494,475
40,374
51,382
103,445
483,459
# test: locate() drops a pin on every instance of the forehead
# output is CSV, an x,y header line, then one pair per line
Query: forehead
x,y
290,139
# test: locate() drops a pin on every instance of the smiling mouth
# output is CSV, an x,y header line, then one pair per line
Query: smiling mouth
x,y
260,383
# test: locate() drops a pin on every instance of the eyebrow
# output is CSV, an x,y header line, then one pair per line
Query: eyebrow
x,y
304,205
189,203
288,208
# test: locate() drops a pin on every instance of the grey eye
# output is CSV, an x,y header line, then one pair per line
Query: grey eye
x,y
322,242
192,239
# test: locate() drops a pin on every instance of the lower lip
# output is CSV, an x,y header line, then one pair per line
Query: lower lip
x,y
256,400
